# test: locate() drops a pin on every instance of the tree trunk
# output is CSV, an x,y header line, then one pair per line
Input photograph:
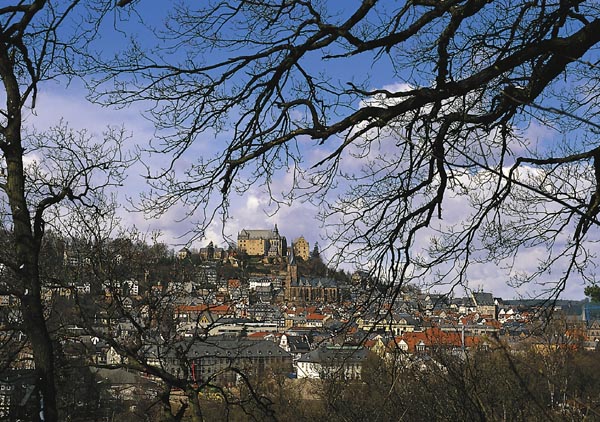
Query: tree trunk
x,y
27,247
194,402
43,355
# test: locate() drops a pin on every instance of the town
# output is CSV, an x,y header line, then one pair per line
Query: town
x,y
444,154
140,324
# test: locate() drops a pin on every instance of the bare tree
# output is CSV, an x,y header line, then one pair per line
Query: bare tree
x,y
43,174
275,83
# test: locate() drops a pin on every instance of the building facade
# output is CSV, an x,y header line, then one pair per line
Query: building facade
x,y
301,248
262,242
329,362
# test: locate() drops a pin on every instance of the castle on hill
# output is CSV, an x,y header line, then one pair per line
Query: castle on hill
x,y
262,243
270,243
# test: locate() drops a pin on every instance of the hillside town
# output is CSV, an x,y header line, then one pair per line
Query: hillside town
x,y
209,315
442,148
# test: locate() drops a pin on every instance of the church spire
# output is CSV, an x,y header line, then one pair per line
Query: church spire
x,y
292,259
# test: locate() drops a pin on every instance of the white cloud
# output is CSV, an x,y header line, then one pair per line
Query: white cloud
x,y
252,203
253,209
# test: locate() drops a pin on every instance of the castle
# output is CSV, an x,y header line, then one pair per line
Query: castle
x,y
262,242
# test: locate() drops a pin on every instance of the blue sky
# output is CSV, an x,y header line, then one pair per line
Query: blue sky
x,y
252,210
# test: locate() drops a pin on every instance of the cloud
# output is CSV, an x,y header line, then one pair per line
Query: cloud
x,y
255,210
253,203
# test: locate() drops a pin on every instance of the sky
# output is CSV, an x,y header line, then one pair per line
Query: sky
x,y
252,210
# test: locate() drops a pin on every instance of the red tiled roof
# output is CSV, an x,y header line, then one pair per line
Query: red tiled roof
x,y
435,337
370,343
214,309
233,283
258,335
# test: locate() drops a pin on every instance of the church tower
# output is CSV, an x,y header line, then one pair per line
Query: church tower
x,y
292,275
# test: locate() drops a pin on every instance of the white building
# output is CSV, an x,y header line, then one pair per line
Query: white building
x,y
329,361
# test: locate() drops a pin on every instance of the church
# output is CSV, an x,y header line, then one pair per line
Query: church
x,y
300,289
